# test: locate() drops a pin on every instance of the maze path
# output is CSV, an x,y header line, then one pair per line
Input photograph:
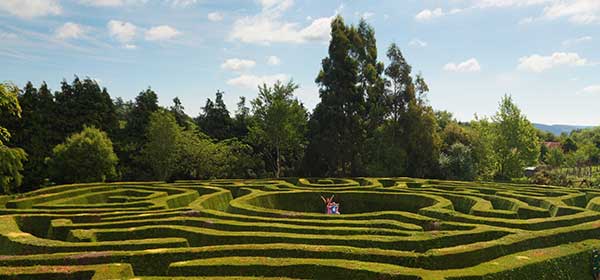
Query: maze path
x,y
390,228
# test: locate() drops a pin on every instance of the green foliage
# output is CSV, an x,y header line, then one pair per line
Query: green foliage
x,y
516,143
130,139
183,120
37,132
84,103
338,126
444,118
482,148
11,159
10,106
159,152
279,124
215,120
458,163
555,157
86,156
11,167
408,143
569,145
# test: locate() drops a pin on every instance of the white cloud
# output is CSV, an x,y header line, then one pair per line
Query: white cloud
x,y
276,5
366,15
471,65
31,8
268,26
252,81
102,3
508,3
428,14
273,60
118,3
417,43
215,16
181,3
124,32
236,64
70,30
130,46
593,89
577,11
537,63
576,41
161,33
111,3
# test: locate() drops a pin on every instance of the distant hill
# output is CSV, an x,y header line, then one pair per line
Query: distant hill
x,y
557,129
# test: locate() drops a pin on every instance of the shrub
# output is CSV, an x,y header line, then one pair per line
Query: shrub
x,y
87,156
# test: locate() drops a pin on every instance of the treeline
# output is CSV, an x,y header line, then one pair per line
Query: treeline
x,y
372,120
571,159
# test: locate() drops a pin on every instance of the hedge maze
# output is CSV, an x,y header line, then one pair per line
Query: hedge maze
x,y
389,228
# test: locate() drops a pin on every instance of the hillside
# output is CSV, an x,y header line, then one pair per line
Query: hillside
x,y
557,129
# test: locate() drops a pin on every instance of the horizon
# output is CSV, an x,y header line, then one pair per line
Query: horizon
x,y
471,52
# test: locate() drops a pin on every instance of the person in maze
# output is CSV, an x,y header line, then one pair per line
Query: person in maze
x,y
332,207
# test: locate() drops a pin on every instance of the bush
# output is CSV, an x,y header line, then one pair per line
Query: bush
x,y
87,156
458,163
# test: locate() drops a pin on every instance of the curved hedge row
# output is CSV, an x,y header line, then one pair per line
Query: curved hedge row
x,y
390,228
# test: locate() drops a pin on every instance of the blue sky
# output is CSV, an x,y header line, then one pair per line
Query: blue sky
x,y
471,52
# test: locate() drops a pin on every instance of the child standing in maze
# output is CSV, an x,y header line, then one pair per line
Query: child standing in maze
x,y
332,207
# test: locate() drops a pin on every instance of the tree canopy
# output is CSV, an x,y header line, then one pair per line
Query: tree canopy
x,y
86,156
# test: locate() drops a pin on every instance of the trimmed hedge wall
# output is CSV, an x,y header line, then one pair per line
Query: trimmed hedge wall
x,y
390,228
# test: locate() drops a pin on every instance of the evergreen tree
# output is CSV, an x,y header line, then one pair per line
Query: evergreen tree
x,y
372,84
408,142
423,141
215,119
569,146
131,139
181,117
337,127
37,132
242,119
84,103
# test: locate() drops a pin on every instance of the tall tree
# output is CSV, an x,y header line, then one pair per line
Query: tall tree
x,y
84,103
215,119
337,127
483,133
279,123
407,143
181,117
38,132
423,141
131,139
11,159
516,143
160,151
372,84
242,119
